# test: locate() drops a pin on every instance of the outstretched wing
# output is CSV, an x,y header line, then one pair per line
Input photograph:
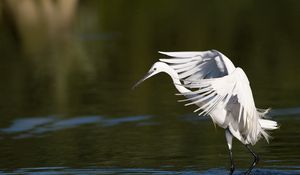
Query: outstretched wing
x,y
193,66
232,91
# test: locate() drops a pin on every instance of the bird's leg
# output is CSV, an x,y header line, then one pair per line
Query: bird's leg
x,y
228,136
256,159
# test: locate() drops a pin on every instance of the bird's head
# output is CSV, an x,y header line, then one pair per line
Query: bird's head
x,y
155,69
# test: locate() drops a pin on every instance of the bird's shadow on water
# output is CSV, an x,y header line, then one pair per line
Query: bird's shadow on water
x,y
141,171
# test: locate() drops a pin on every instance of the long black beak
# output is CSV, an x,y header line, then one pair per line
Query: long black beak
x,y
149,74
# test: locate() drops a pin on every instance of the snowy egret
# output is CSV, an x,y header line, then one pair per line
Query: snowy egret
x,y
209,80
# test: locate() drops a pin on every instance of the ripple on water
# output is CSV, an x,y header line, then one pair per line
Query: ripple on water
x,y
143,171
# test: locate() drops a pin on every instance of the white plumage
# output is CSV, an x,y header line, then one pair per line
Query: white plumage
x,y
210,80
219,85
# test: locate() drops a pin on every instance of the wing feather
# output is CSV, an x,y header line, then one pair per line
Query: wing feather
x,y
192,66
180,66
217,91
176,60
186,68
220,90
190,72
182,54
216,86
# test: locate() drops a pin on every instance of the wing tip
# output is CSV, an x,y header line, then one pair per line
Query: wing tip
x,y
183,54
163,52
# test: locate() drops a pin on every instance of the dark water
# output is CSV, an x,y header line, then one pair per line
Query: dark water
x,y
66,104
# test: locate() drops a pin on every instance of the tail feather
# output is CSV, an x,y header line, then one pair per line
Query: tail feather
x,y
268,124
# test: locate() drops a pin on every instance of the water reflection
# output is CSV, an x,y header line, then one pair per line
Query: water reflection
x,y
142,171
39,125
23,125
152,145
285,112
30,127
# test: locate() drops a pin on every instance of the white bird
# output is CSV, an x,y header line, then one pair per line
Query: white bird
x,y
209,80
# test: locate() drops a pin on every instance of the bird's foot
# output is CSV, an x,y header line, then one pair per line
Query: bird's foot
x,y
232,168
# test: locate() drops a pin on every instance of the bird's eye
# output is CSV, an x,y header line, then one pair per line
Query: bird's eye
x,y
154,68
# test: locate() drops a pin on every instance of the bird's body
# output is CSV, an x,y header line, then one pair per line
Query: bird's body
x,y
210,80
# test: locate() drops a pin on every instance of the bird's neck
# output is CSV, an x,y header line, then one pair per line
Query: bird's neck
x,y
174,75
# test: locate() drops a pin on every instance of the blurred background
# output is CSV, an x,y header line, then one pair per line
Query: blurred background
x,y
67,68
